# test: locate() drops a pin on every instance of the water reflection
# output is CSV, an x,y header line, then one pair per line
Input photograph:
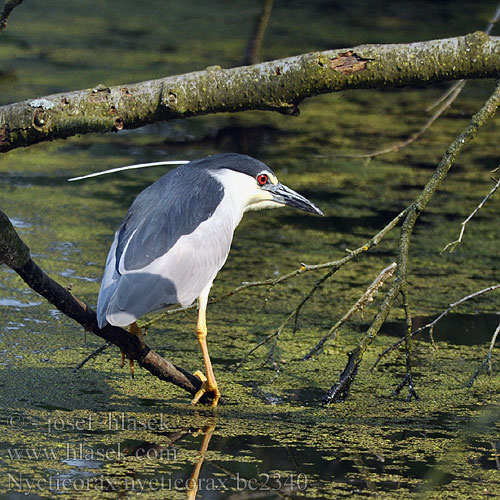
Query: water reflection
x,y
192,482
167,454
455,328
266,468
223,459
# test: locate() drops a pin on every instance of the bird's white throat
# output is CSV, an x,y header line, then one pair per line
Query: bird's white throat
x,y
243,191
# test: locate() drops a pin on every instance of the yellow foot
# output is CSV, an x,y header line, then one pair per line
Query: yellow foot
x,y
130,362
206,387
134,330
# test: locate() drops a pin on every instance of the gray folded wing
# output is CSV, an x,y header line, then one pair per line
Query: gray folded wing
x,y
168,248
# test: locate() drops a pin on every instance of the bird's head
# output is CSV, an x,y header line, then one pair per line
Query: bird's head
x,y
255,185
270,193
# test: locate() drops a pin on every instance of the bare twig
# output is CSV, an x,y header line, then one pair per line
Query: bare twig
x,y
340,390
312,291
493,21
275,335
294,314
487,360
408,378
361,302
447,99
433,323
452,245
8,7
410,140
490,350
92,355
335,266
458,85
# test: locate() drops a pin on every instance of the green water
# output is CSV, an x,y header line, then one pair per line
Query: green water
x,y
98,433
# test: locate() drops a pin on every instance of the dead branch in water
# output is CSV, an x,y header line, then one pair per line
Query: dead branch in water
x,y
16,255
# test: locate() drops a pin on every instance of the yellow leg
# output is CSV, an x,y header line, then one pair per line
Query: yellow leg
x,y
134,330
209,384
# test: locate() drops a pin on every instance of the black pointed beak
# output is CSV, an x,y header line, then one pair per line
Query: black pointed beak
x,y
286,196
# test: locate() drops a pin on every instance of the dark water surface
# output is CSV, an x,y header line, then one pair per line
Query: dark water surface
x,y
97,433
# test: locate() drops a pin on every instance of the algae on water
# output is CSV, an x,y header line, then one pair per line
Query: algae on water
x,y
99,434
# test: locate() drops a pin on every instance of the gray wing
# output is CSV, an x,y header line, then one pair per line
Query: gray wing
x,y
108,285
175,205
155,262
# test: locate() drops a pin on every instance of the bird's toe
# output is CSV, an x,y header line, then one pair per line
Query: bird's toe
x,y
206,386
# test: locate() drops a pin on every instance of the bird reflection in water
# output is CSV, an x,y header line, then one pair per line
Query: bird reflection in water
x,y
159,451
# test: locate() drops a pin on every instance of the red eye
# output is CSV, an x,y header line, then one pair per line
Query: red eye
x,y
262,179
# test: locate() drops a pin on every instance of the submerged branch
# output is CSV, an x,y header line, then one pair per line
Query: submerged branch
x,y
92,355
433,323
487,360
15,254
273,86
360,303
334,266
275,335
340,390
413,137
408,378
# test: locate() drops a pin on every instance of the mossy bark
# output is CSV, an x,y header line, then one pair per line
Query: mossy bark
x,y
13,251
276,85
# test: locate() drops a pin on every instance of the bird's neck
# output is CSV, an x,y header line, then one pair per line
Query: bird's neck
x,y
240,190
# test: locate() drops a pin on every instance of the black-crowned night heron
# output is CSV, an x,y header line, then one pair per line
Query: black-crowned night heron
x,y
176,237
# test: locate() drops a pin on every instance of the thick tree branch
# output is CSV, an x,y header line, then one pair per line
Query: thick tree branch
x,y
277,85
8,7
15,254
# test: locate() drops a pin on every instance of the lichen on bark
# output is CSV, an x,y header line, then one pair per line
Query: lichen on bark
x,y
272,86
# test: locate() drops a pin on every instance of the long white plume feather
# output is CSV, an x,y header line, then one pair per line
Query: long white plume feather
x,y
129,167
